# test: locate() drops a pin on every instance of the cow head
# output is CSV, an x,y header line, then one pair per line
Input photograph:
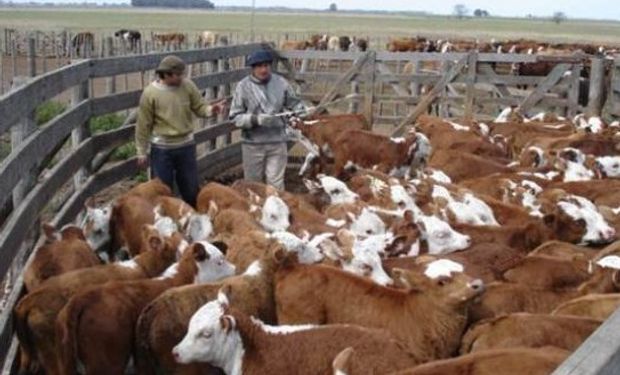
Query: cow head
x,y
442,280
367,224
337,190
96,225
198,228
307,250
407,230
608,166
362,258
440,237
575,219
532,157
275,214
212,337
209,262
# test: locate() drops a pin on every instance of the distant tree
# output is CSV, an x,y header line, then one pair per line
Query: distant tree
x,y
559,17
481,13
460,11
333,7
206,4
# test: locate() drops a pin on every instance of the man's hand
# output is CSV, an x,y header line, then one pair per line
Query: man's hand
x,y
269,121
219,107
143,162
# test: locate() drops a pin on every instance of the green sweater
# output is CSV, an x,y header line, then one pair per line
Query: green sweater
x,y
166,115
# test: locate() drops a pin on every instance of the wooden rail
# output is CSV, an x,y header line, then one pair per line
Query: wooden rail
x,y
39,146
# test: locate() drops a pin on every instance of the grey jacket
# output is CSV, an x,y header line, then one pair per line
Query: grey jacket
x,y
253,98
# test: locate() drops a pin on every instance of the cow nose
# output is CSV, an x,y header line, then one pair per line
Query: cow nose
x,y
175,354
477,285
610,233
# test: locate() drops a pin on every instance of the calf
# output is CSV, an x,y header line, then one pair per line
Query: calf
x,y
35,314
528,331
63,252
217,332
594,306
132,37
522,237
546,272
369,150
461,166
540,361
96,327
505,298
223,197
325,295
163,323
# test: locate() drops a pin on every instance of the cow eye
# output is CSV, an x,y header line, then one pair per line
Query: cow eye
x,y
581,222
206,334
368,231
336,191
442,235
366,268
442,282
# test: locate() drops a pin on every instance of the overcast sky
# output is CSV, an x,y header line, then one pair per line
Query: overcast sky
x,y
608,9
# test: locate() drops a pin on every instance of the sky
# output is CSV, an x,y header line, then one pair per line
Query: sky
x,y
601,9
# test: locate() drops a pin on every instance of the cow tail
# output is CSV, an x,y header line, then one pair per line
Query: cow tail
x,y
27,347
66,332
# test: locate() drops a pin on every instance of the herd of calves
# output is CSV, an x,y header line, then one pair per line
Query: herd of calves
x,y
460,248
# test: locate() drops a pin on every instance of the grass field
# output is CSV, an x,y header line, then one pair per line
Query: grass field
x,y
356,24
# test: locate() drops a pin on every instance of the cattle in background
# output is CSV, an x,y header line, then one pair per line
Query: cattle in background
x,y
207,39
167,40
407,44
318,42
345,42
132,37
292,45
360,44
83,44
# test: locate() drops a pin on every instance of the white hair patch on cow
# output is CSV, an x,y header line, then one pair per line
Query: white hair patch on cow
x,y
199,228
131,264
207,340
275,214
283,329
484,128
459,127
377,186
610,261
214,267
577,172
307,250
253,269
335,223
442,268
366,260
337,190
170,272
96,226
470,210
367,224
503,116
597,229
440,237
398,140
402,199
609,165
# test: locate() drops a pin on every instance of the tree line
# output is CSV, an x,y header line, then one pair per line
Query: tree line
x,y
205,4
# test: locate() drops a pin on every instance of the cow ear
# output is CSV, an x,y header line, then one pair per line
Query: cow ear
x,y
223,296
73,232
90,203
213,210
615,278
156,243
228,323
199,252
346,238
50,231
221,246
280,254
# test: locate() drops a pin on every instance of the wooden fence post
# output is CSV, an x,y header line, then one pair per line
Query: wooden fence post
x,y
79,134
110,82
573,91
354,105
472,62
211,93
370,88
19,132
224,90
597,87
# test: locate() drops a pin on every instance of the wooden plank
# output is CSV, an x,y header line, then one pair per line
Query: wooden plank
x,y
369,101
384,70
430,97
95,183
545,85
40,89
214,131
573,91
80,93
218,161
472,62
332,93
22,130
129,64
496,79
38,147
321,55
599,354
597,87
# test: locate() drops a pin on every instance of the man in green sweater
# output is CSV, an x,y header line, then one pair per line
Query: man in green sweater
x,y
166,123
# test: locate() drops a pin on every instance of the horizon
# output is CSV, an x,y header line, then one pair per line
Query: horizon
x,y
595,9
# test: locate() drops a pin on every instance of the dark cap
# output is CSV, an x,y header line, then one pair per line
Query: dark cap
x,y
171,64
259,57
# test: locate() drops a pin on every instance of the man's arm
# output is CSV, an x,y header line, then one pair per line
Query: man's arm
x,y
239,113
144,126
197,103
292,100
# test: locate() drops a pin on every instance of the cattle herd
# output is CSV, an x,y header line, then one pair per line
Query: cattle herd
x,y
460,248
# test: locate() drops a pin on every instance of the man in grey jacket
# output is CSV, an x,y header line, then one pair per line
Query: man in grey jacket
x,y
257,104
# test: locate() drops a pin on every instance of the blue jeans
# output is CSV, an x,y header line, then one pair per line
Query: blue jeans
x,y
177,164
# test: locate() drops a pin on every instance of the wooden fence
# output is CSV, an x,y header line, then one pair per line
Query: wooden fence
x,y
31,190
395,88
469,85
